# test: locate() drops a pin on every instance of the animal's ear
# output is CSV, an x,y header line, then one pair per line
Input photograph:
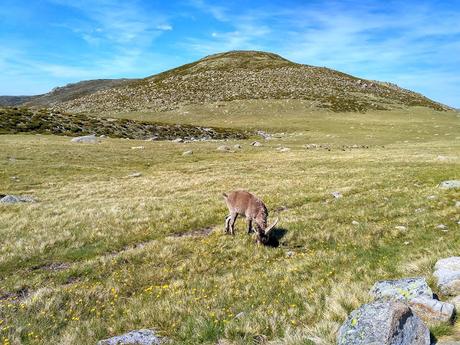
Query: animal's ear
x,y
271,227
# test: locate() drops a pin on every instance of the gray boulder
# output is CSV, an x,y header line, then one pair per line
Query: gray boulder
x,y
402,289
450,184
140,337
13,199
383,322
418,295
87,139
447,274
256,144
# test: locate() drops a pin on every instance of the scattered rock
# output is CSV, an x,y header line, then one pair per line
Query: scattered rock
x,y
137,147
152,138
311,146
140,337
337,195
264,135
13,199
400,228
450,184
283,149
187,153
383,322
290,254
178,140
87,139
442,158
355,222
431,197
135,174
239,315
457,204
441,227
256,144
224,148
447,273
237,146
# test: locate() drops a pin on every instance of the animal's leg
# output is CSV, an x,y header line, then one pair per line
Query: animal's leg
x,y
227,223
250,226
233,217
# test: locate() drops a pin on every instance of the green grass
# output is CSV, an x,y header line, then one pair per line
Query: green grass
x,y
122,268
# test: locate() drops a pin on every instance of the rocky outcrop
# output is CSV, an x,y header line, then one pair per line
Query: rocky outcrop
x,y
383,322
14,199
447,274
140,337
418,295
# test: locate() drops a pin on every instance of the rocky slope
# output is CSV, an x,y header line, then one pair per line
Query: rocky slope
x,y
241,75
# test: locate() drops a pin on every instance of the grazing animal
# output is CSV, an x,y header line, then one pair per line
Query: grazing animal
x,y
247,205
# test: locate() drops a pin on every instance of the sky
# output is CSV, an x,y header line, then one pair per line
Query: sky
x,y
48,43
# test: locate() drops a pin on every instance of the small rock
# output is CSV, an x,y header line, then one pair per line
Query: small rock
x,y
102,136
137,147
178,140
13,199
337,195
140,337
223,148
135,174
441,158
457,204
237,146
383,322
256,144
355,222
450,184
447,273
441,227
283,149
400,228
419,210
290,253
187,153
152,138
406,243
431,197
239,315
87,139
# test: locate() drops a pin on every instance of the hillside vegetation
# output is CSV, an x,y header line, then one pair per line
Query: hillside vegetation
x,y
43,121
101,253
247,75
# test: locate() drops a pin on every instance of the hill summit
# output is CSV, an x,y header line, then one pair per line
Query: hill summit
x,y
245,75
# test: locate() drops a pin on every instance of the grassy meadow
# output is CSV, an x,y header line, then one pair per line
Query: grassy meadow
x,y
102,253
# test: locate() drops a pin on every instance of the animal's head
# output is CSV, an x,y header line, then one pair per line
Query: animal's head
x,y
263,235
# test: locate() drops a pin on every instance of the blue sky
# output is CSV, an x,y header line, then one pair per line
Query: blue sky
x,y
48,43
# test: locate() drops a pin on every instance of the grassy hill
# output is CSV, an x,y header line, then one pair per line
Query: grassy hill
x,y
101,253
248,75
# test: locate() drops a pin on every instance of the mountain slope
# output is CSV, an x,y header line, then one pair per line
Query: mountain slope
x,y
242,75
11,101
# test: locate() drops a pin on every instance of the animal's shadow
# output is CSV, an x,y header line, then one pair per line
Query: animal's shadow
x,y
275,236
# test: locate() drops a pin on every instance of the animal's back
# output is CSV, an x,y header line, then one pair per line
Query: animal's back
x,y
243,203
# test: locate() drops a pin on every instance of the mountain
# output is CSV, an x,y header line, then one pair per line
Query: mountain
x,y
234,75
64,93
9,101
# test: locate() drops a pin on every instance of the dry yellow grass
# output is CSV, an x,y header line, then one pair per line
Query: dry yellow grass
x,y
97,255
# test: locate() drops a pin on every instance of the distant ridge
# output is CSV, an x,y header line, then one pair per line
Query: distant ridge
x,y
233,76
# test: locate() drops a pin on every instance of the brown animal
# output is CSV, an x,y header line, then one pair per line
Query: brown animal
x,y
247,205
